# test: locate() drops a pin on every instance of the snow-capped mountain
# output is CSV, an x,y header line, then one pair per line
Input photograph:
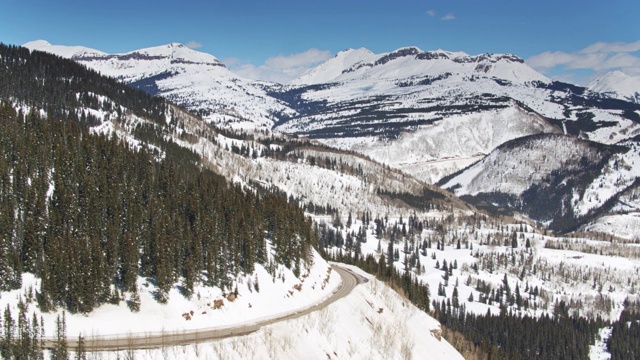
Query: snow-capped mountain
x,y
618,85
586,177
431,113
411,61
70,52
556,179
195,80
329,70
427,113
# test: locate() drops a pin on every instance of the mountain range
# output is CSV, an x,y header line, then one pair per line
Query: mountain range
x,y
363,134
440,116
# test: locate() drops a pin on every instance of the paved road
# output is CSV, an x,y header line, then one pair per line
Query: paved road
x,y
136,342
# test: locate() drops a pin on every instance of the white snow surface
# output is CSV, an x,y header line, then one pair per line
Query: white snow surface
x,y
275,297
70,52
437,150
407,62
626,226
195,80
333,68
599,350
373,322
618,85
513,171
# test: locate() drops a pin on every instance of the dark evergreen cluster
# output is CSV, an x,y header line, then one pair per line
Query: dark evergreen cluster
x,y
422,201
623,342
88,215
507,336
21,339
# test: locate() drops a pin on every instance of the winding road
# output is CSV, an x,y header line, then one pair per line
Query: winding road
x,y
148,341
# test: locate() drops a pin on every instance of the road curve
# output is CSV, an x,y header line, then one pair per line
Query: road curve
x,y
149,341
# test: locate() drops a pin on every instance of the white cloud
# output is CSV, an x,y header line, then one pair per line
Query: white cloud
x,y
449,16
616,47
281,68
599,58
193,45
431,13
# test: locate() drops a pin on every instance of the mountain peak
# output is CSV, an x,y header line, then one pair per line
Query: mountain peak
x,y
352,51
619,85
176,53
70,52
411,61
332,68
37,43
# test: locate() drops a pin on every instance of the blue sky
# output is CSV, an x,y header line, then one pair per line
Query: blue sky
x,y
281,38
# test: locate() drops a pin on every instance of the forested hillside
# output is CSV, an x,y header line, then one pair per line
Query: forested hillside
x,y
89,213
62,88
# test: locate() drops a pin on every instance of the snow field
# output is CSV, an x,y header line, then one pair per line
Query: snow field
x,y
596,276
373,322
276,296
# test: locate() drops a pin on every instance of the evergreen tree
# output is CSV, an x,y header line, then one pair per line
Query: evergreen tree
x,y
81,351
60,351
8,324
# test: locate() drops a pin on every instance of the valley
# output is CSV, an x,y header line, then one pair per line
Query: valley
x,y
478,189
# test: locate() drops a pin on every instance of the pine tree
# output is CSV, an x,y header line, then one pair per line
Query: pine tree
x,y
6,347
60,351
134,301
454,298
81,351
390,255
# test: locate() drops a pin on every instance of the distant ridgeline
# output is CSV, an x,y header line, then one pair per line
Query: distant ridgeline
x,y
88,214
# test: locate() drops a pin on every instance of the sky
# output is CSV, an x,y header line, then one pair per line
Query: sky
x,y
279,39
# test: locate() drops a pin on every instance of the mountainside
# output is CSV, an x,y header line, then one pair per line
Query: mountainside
x,y
78,200
189,78
426,113
379,104
69,52
555,179
618,85
484,277
410,62
80,246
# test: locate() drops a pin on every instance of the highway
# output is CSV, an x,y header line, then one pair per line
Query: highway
x,y
147,341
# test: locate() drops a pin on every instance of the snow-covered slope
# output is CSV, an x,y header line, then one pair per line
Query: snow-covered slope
x,y
403,107
433,151
69,52
411,61
552,178
427,113
330,70
195,80
382,105
618,85
373,322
